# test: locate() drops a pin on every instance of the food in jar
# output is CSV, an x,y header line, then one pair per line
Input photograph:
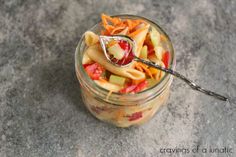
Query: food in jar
x,y
135,80
136,77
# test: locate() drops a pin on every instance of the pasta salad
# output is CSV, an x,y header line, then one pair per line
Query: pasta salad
x,y
137,76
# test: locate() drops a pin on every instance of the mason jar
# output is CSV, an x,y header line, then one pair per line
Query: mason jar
x,y
124,110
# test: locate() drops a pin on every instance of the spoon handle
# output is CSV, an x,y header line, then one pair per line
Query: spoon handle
x,y
185,79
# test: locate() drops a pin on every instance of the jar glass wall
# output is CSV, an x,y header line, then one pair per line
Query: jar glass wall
x,y
124,110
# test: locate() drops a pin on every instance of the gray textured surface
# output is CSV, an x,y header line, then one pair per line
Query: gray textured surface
x,y
41,113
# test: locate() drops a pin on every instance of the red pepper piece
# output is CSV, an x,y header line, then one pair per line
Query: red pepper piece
x,y
140,86
85,65
128,89
94,70
151,51
135,116
99,109
165,58
134,88
124,45
128,57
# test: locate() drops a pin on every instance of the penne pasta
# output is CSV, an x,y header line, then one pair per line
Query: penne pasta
x,y
139,38
109,86
159,52
96,54
86,59
153,58
162,73
91,38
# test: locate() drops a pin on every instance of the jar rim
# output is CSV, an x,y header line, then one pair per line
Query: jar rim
x,y
166,76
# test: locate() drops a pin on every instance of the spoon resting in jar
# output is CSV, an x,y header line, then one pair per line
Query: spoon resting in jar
x,y
118,58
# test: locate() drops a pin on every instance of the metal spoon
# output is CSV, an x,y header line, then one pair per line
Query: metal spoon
x,y
104,41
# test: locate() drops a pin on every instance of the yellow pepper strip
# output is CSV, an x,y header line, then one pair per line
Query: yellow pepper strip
x,y
153,70
137,66
145,68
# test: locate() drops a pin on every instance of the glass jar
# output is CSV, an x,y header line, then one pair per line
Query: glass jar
x,y
124,110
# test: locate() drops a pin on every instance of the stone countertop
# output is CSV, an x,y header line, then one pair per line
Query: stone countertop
x,y
41,111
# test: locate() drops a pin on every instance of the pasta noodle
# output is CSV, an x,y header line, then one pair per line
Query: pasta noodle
x,y
158,52
162,72
139,39
153,58
86,59
91,38
107,85
96,54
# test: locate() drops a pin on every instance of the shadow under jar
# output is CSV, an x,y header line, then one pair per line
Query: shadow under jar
x,y
123,110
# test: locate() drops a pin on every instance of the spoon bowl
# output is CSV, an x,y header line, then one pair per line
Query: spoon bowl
x,y
129,54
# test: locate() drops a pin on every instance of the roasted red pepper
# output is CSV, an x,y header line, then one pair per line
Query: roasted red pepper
x,y
140,86
136,116
165,58
128,89
128,57
94,70
135,88
124,45
151,51
85,65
